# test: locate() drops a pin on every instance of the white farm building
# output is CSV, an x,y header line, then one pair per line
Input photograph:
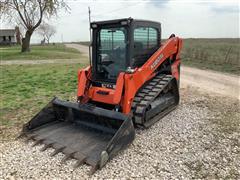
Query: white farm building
x,y
7,36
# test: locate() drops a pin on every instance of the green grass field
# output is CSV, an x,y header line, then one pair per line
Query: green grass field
x,y
25,89
38,52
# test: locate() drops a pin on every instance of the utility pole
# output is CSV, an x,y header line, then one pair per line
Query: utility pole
x,y
89,20
90,34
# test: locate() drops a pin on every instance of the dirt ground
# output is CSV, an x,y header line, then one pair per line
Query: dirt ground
x,y
211,81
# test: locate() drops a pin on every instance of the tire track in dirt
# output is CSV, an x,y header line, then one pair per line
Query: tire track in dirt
x,y
210,81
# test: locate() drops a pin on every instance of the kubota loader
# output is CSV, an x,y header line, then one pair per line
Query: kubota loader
x,y
132,81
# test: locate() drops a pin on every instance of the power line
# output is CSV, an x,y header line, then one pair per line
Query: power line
x,y
84,14
113,11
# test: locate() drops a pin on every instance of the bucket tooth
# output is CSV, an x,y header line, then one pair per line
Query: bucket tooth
x,y
39,141
79,163
46,146
30,137
20,135
93,169
56,151
66,157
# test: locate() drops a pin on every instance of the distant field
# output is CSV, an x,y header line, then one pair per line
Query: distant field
x,y
85,43
215,54
58,51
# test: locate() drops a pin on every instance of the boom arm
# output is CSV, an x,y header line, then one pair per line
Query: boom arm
x,y
136,80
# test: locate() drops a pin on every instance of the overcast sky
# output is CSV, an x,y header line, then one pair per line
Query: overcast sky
x,y
185,18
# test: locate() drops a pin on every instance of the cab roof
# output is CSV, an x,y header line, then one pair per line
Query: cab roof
x,y
130,20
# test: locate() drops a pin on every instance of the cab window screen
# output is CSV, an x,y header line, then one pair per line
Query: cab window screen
x,y
111,39
147,36
145,44
111,54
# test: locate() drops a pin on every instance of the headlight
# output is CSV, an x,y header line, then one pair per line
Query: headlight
x,y
94,25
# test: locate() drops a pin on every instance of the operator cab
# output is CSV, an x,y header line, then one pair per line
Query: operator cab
x,y
120,44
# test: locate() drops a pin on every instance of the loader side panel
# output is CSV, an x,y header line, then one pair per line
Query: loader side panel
x,y
133,82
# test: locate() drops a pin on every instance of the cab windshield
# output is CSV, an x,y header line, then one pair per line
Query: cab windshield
x,y
111,52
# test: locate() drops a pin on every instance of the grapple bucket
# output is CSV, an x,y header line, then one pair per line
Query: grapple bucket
x,y
89,134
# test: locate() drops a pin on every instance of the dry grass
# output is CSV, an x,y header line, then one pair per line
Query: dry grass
x,y
216,54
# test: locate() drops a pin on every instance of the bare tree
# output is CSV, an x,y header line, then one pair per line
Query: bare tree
x,y
30,14
18,35
46,31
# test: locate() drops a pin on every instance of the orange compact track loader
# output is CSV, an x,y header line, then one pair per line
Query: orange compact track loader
x,y
132,81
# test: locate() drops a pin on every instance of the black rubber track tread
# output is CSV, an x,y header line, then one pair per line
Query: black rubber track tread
x,y
141,94
146,95
149,87
145,91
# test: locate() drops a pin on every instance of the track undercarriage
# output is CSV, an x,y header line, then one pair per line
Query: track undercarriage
x,y
158,97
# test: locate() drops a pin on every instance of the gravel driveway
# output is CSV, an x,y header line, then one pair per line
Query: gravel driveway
x,y
188,143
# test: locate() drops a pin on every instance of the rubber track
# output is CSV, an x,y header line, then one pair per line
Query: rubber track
x,y
147,95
